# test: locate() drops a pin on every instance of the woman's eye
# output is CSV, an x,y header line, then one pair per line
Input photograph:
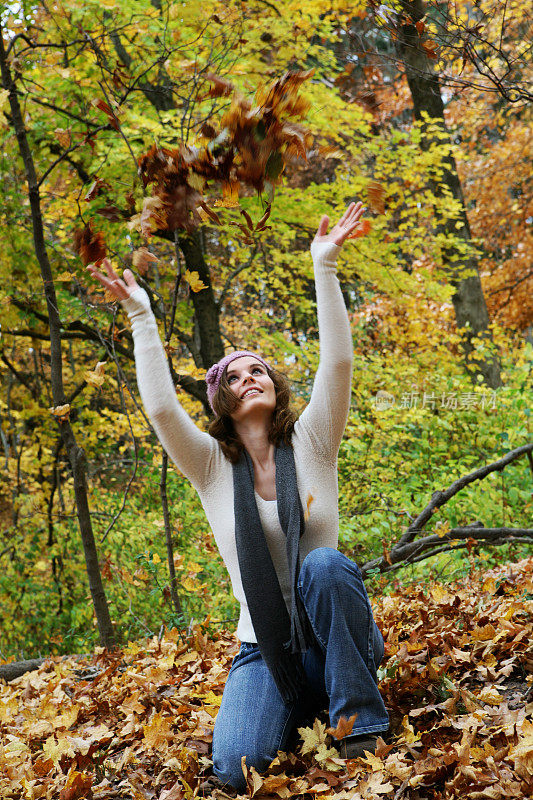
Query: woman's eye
x,y
257,369
231,378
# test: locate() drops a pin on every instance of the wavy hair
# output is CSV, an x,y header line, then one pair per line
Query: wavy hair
x,y
225,402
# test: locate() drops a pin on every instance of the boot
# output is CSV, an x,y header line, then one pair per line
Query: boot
x,y
355,746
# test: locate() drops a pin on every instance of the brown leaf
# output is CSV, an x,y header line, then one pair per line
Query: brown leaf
x,y
264,218
143,259
376,195
248,219
103,106
220,88
78,786
96,188
63,137
90,245
344,727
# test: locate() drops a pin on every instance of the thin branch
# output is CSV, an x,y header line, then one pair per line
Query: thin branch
x,y
234,274
434,544
439,498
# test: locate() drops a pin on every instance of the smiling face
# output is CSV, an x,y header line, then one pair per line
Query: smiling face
x,y
249,380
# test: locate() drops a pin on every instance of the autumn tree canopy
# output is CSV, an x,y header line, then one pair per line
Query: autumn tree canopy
x,y
200,149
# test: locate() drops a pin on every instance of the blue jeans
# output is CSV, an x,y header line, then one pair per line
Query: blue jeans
x,y
255,722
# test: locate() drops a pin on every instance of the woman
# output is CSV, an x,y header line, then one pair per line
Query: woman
x,y
308,637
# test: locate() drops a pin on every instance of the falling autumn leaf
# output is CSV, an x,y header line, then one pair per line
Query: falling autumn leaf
x,y
61,412
364,227
308,504
96,377
376,196
90,245
344,727
64,137
193,279
143,259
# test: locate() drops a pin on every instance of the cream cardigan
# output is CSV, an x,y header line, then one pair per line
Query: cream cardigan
x,y
316,438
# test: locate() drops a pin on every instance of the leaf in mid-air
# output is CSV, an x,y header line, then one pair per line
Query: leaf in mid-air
x,y
90,245
193,279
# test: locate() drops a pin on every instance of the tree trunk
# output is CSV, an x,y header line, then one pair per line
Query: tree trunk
x,y
468,300
75,453
206,311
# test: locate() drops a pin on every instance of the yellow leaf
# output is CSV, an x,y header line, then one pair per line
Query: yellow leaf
x,y
62,412
310,499
522,752
373,761
440,595
156,559
97,377
63,137
193,279
312,737
157,731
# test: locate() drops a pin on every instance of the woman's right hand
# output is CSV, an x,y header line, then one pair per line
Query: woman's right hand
x,y
121,289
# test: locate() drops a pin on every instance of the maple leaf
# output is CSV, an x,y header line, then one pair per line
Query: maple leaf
x,y
143,259
376,196
312,737
103,106
61,412
96,188
364,227
78,785
97,377
344,727
193,279
221,87
63,136
157,731
90,245
522,751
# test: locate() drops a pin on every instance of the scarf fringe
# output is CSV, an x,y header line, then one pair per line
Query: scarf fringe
x,y
289,676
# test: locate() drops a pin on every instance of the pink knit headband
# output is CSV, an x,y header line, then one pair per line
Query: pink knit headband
x,y
214,374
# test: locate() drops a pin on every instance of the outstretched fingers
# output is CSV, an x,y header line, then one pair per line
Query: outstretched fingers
x,y
111,281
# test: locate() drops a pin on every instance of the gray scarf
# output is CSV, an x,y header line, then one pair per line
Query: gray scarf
x,y
281,638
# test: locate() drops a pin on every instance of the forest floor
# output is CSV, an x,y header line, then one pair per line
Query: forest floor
x,y
456,678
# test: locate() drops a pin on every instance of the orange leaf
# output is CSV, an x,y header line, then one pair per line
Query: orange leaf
x,y
142,259
344,727
310,499
363,228
376,195
90,245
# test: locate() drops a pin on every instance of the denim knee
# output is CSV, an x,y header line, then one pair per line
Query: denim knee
x,y
227,765
325,565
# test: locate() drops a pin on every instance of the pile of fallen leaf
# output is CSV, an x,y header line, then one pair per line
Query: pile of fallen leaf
x,y
456,679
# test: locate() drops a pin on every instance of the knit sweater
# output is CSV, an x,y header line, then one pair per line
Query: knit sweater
x,y
316,438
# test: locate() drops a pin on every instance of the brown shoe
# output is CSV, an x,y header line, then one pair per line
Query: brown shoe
x,y
354,747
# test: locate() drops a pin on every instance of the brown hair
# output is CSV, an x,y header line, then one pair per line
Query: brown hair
x,y
225,402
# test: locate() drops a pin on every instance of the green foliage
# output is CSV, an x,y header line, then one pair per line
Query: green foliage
x,y
400,307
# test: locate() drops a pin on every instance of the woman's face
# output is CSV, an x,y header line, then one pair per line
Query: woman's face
x,y
249,380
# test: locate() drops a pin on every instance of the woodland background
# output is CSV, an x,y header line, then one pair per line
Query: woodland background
x,y
199,144
147,130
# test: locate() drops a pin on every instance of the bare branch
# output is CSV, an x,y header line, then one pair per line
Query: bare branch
x,y
439,498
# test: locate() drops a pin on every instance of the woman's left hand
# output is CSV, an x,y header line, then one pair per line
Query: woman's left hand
x,y
344,227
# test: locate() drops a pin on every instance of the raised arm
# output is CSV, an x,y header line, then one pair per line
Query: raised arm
x,y
190,448
324,419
